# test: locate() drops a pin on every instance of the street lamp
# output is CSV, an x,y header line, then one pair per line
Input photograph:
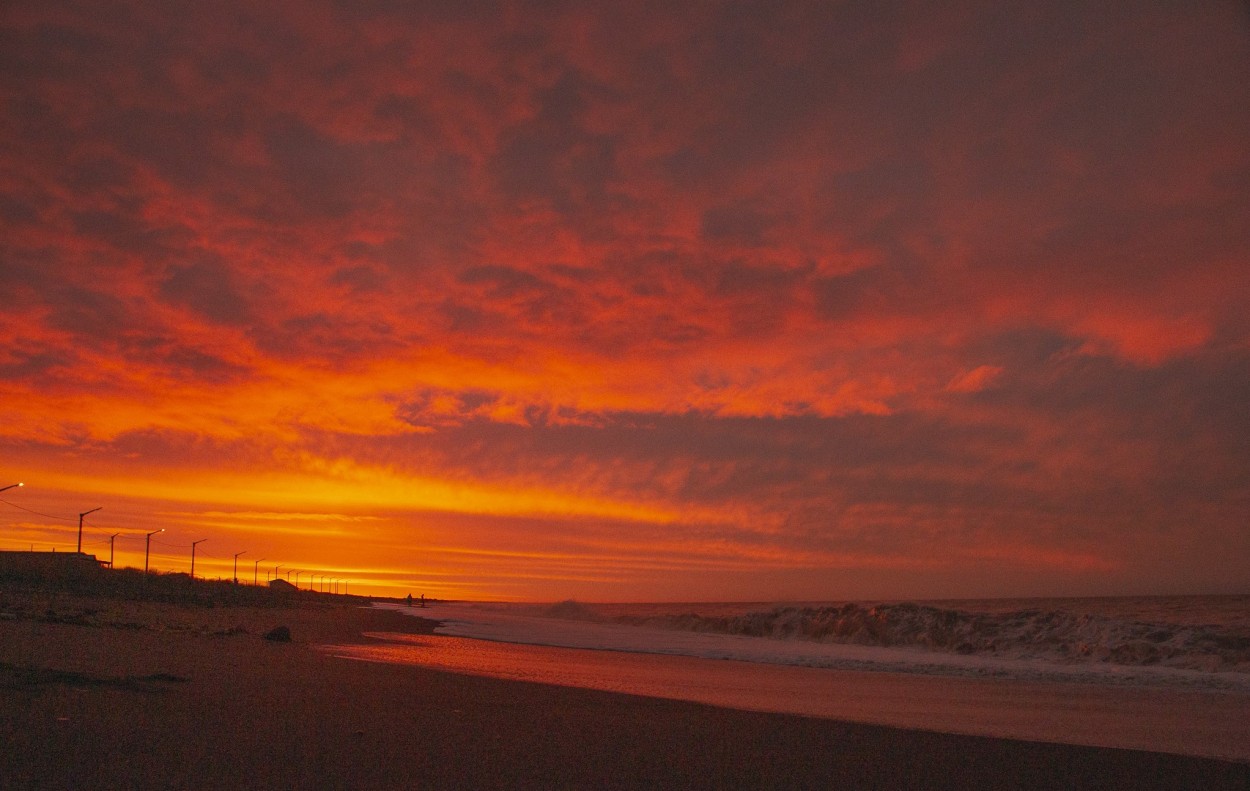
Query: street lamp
x,y
11,486
80,516
256,573
193,543
297,578
288,574
115,535
236,565
147,547
275,570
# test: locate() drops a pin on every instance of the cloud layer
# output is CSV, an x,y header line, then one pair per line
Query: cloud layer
x,y
733,300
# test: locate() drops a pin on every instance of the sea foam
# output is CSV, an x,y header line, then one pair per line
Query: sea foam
x,y
1051,635
1026,644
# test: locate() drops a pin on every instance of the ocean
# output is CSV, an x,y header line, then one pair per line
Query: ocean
x,y
1168,674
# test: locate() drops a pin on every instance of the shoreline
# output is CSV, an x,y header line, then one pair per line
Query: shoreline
x,y
1206,723
196,698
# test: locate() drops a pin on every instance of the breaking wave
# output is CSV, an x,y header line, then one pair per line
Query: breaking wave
x,y
1024,634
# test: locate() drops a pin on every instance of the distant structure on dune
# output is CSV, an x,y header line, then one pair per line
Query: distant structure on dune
x,y
49,566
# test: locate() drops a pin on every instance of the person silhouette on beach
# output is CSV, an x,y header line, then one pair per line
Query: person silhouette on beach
x,y
423,600
409,599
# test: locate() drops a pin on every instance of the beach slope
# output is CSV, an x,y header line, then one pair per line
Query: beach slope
x,y
146,695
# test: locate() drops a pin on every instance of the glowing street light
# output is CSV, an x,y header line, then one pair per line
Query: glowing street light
x,y
256,573
147,548
193,543
236,565
11,486
80,516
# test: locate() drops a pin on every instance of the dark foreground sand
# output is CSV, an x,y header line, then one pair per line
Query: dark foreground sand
x,y
163,696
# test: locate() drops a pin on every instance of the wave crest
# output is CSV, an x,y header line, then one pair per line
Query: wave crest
x,y
1023,634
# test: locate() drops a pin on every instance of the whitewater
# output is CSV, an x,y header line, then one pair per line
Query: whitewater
x,y
1167,674
1206,645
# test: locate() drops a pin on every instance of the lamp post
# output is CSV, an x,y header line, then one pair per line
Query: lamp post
x,y
193,543
80,516
147,547
297,579
11,486
115,535
236,565
275,570
288,575
256,573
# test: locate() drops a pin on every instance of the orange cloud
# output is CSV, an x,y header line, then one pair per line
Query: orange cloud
x,y
975,380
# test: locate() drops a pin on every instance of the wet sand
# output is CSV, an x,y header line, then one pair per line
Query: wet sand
x,y
1203,722
162,696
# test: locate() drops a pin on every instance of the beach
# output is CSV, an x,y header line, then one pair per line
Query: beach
x,y
535,395
1023,689
147,695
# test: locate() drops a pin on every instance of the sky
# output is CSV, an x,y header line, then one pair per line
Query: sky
x,y
632,301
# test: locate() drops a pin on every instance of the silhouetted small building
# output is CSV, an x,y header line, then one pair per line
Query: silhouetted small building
x,y
49,566
281,585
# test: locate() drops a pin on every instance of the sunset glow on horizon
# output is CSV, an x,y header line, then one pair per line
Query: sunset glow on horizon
x,y
628,302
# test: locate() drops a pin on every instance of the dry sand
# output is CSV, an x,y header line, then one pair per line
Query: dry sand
x,y
107,694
